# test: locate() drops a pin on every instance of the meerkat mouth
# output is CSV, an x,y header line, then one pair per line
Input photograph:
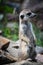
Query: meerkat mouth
x,y
24,22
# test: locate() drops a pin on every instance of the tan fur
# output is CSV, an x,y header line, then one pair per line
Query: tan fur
x,y
26,35
24,48
21,33
24,38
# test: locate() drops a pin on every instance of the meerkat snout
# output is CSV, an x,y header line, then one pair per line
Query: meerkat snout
x,y
32,15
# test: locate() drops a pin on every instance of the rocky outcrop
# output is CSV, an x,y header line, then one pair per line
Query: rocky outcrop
x,y
9,50
26,62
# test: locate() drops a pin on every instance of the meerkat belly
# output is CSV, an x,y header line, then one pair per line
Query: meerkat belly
x,y
23,28
30,35
25,50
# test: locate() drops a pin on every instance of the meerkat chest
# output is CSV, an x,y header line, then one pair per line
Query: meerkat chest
x,y
29,31
23,27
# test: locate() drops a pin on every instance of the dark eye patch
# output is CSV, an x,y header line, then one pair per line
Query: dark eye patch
x,y
22,16
16,47
29,13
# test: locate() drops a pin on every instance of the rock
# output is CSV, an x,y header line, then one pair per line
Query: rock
x,y
39,50
11,51
19,50
4,43
26,62
12,16
1,16
39,57
0,32
14,49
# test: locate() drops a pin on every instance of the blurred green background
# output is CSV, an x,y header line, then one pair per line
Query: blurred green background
x,y
10,28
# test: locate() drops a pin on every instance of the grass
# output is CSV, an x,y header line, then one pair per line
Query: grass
x,y
7,32
39,37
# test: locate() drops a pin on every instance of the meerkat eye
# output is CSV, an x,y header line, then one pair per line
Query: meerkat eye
x,y
29,13
22,16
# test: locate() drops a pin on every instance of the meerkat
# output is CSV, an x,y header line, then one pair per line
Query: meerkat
x,y
26,32
26,49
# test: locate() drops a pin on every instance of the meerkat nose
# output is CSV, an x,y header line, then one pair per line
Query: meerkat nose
x,y
32,15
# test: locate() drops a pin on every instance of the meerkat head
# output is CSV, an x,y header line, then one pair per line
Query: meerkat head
x,y
25,15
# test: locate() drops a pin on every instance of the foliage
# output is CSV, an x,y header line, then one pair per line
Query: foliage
x,y
0,0
8,9
39,41
13,34
7,32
